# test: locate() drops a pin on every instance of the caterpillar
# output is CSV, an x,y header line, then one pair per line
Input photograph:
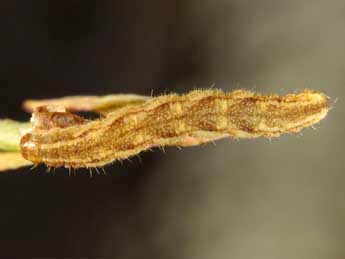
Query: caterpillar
x,y
61,138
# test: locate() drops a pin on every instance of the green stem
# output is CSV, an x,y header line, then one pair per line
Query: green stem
x,y
10,134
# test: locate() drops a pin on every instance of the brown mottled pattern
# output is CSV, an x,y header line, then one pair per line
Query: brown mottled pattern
x,y
186,120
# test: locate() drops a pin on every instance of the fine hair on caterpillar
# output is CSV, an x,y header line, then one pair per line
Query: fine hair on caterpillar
x,y
60,138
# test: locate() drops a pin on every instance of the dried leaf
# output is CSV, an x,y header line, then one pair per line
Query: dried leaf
x,y
12,160
101,104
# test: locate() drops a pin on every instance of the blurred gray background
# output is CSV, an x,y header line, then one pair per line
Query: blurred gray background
x,y
238,199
